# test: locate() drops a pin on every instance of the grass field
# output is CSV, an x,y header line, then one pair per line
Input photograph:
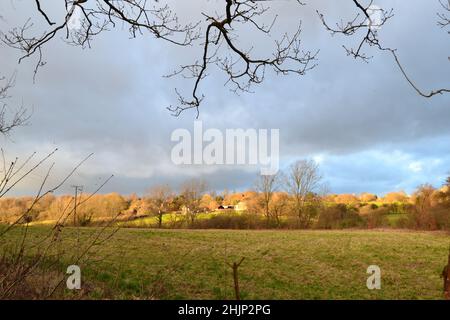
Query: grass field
x,y
192,264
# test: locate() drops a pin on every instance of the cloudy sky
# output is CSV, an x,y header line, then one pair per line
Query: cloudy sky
x,y
363,123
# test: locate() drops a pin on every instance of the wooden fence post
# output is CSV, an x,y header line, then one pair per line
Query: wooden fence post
x,y
446,276
235,267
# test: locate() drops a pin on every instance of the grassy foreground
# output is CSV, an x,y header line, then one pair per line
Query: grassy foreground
x,y
192,264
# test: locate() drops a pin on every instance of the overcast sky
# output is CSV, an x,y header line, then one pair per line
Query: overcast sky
x,y
362,122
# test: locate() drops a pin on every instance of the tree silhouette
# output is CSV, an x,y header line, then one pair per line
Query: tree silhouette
x,y
218,34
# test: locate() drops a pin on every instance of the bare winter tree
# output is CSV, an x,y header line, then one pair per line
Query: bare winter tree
x,y
160,197
192,192
279,207
302,181
266,185
218,35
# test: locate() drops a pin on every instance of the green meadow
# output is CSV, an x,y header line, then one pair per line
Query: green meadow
x,y
194,264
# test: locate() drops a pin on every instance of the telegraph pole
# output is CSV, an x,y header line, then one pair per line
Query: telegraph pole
x,y
77,189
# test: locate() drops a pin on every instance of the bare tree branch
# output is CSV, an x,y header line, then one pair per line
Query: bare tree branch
x,y
242,69
43,13
444,18
219,40
10,119
370,19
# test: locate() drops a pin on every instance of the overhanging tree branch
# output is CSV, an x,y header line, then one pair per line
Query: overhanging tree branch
x,y
220,40
370,19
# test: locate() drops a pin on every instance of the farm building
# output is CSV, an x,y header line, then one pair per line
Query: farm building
x,y
240,206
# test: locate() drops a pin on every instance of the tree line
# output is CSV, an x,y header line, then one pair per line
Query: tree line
x,y
297,198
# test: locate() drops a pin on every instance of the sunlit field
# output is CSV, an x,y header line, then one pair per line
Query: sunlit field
x,y
193,264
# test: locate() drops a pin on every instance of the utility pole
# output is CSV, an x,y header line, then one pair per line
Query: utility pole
x,y
77,189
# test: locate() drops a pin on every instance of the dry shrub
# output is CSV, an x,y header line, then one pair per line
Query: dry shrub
x,y
377,218
34,277
441,217
232,221
339,217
